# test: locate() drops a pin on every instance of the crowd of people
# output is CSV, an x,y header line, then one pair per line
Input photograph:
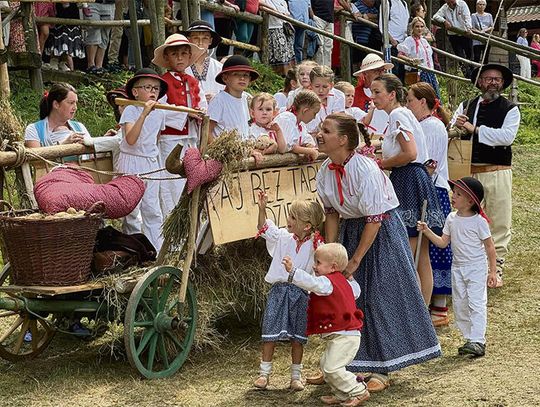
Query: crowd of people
x,y
377,296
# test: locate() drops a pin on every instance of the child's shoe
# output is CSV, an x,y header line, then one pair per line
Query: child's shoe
x,y
261,382
296,385
356,400
475,349
331,400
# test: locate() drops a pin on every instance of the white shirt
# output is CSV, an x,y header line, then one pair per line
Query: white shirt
x,y
423,51
401,120
278,5
157,120
294,133
335,102
379,122
367,191
398,20
51,137
281,243
459,17
466,236
209,85
355,112
256,131
281,100
437,148
490,136
230,113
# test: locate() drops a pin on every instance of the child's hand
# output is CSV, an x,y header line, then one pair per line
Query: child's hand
x,y
287,263
263,200
148,107
258,156
421,226
312,154
492,279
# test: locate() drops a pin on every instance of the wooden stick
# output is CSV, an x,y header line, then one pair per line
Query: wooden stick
x,y
131,102
419,241
52,1
90,23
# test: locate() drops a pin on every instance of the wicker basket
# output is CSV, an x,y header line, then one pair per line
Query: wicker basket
x,y
49,252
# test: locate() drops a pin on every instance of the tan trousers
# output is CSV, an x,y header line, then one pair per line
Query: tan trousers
x,y
340,351
498,206
116,32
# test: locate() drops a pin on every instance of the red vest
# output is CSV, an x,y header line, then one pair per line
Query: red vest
x,y
177,94
361,100
335,312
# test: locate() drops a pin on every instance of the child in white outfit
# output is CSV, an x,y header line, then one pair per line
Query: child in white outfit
x,y
332,313
468,231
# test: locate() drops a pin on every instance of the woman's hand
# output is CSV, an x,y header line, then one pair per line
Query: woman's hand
x,y
74,138
352,266
287,263
110,133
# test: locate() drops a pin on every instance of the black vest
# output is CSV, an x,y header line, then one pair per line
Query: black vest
x,y
490,115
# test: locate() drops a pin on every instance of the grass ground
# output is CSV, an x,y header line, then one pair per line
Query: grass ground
x,y
72,372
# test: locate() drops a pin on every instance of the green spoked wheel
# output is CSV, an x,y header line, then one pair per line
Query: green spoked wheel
x,y
158,331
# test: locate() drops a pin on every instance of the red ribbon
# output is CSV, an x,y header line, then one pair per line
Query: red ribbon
x,y
317,239
339,173
46,94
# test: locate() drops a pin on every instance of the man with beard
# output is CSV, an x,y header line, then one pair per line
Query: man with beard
x,y
492,123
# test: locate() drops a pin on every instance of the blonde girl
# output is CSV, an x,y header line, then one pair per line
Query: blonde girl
x,y
302,78
285,316
263,108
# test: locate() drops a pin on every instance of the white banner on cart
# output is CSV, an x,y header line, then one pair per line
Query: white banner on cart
x,y
232,206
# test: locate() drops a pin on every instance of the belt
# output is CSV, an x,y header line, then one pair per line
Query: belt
x,y
476,169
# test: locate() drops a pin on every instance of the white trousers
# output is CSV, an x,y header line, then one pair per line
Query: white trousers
x,y
469,299
498,205
340,351
524,66
324,53
170,191
148,209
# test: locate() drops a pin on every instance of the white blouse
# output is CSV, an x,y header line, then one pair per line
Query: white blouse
x,y
280,6
334,103
281,100
367,191
417,48
401,120
356,112
294,133
230,113
209,85
437,148
280,243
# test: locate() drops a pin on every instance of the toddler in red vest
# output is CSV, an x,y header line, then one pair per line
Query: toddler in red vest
x,y
332,313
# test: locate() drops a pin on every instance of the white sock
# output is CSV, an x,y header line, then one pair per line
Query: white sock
x,y
439,301
296,372
265,368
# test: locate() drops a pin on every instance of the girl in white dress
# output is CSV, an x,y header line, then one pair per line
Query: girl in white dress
x,y
304,82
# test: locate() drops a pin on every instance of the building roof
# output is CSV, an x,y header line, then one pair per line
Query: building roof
x,y
521,14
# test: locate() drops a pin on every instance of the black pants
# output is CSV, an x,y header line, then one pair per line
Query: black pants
x,y
224,27
478,51
462,47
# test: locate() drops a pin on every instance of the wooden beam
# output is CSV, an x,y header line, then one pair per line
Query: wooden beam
x,y
230,12
89,23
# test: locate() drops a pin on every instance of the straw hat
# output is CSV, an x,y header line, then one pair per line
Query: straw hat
x,y
507,74
234,64
176,40
146,73
203,26
373,61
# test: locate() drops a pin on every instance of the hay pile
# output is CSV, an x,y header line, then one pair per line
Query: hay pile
x,y
11,128
230,285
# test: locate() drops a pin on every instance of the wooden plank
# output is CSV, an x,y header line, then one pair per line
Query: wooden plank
x,y
51,291
231,203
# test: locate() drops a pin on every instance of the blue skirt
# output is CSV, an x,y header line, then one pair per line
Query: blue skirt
x,y
397,328
430,78
285,315
413,185
441,259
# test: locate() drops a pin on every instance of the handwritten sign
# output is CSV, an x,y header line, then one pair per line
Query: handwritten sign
x,y
232,206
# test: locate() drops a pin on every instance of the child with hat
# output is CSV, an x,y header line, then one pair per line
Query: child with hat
x,y
176,55
139,153
468,231
205,69
229,109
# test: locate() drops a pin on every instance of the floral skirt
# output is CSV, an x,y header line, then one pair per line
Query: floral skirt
x,y
64,39
280,47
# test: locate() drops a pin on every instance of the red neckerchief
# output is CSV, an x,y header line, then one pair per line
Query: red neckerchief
x,y
339,174
300,242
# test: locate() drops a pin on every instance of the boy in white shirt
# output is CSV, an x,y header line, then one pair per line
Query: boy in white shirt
x,y
468,231
333,314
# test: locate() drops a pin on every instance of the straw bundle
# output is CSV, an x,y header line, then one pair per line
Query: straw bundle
x,y
11,128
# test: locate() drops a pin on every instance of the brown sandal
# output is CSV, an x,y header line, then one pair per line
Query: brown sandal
x,y
377,382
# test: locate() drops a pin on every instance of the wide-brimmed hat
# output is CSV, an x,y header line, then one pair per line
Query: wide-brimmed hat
x,y
373,61
116,93
176,40
146,73
234,64
507,74
205,26
474,189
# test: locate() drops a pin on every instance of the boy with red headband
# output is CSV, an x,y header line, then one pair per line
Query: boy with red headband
x,y
468,231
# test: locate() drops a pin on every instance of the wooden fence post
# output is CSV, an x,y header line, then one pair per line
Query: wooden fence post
x,y
184,10
4,75
345,51
135,39
30,33
265,27
194,11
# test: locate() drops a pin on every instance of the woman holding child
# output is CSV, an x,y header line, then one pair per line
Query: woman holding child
x,y
398,330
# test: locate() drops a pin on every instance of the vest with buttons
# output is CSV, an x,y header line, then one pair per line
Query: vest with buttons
x,y
334,312
177,94
491,115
